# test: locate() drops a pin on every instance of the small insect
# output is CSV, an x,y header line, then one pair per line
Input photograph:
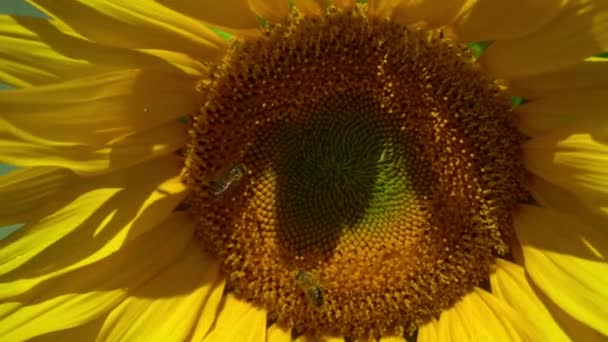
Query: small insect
x,y
309,285
233,176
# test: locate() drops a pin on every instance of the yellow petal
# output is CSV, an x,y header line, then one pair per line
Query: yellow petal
x,y
578,162
316,338
26,243
238,320
382,8
39,51
590,73
509,284
433,12
165,309
91,160
429,332
480,316
85,294
98,221
345,3
143,24
85,332
275,11
578,32
24,191
278,333
580,110
576,330
94,110
232,16
311,7
568,261
209,310
553,197
505,19
392,339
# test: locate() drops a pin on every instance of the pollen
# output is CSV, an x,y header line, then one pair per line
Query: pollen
x,y
354,176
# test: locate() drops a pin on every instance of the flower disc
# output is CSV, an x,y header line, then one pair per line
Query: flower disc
x,y
354,176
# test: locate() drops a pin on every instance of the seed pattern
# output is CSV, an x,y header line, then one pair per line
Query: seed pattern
x,y
379,159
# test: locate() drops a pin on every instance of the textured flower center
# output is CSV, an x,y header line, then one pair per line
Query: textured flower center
x,y
354,177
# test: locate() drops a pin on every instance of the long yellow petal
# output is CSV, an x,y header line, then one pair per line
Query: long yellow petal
x,y
561,200
382,8
590,73
137,25
275,11
278,333
37,51
568,261
209,311
83,295
578,162
435,13
94,110
311,7
238,320
579,31
232,16
509,283
25,191
167,307
123,206
84,332
480,316
345,3
316,338
92,160
505,19
579,110
429,332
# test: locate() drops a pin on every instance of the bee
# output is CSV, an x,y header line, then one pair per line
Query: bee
x,y
233,176
309,285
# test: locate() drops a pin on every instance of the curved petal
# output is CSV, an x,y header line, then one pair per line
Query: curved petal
x,y
590,73
85,294
135,25
567,261
510,285
165,309
480,316
579,110
503,20
38,51
100,220
311,7
345,4
84,332
209,310
429,332
578,162
232,16
554,197
278,333
382,8
238,320
275,11
92,160
435,13
578,32
315,338
24,191
94,110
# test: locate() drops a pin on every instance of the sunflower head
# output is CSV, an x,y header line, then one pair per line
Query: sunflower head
x,y
348,150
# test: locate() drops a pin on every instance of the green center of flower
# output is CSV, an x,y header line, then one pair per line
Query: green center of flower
x,y
354,177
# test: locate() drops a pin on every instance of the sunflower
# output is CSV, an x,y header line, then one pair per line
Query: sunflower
x,y
267,170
